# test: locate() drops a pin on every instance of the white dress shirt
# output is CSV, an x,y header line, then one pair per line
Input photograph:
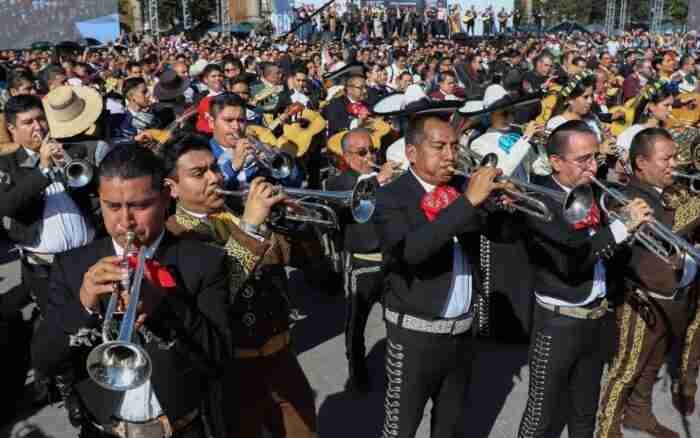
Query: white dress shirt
x,y
460,298
140,404
63,226
599,289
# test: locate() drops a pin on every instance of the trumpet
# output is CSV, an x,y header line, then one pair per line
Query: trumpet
x,y
120,364
279,163
77,173
653,235
692,180
575,205
361,200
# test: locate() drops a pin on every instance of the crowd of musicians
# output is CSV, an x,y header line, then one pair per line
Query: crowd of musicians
x,y
381,22
157,195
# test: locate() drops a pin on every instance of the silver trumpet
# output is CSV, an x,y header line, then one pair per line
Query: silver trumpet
x,y
575,205
361,200
653,235
693,180
77,173
121,364
279,163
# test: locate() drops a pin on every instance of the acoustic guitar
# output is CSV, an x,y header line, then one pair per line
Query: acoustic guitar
x,y
158,137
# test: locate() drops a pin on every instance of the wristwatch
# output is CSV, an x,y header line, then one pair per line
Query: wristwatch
x,y
260,231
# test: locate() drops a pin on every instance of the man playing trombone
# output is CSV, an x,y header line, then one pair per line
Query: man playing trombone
x,y
180,326
265,379
656,300
570,287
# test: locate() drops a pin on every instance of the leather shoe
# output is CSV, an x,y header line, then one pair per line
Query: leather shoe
x,y
684,403
653,428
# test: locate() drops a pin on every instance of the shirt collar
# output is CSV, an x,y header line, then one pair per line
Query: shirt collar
x,y
567,190
30,153
200,216
149,252
426,186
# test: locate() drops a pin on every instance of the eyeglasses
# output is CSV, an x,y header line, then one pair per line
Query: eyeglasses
x,y
360,153
583,160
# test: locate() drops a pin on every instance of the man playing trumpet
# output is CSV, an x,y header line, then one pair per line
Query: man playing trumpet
x,y
656,305
180,322
265,376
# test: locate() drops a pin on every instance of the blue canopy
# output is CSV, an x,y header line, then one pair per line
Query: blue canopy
x,y
103,29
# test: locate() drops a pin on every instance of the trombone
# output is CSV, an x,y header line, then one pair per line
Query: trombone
x,y
120,364
279,163
653,235
361,200
575,205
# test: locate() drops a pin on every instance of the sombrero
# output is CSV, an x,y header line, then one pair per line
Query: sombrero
x,y
72,110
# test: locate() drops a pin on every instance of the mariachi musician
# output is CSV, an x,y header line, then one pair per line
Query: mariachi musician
x,y
657,294
469,19
180,324
571,307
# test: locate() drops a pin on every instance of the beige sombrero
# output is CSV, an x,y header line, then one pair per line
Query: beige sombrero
x,y
72,110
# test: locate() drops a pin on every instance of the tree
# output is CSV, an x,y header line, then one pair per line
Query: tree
x,y
677,10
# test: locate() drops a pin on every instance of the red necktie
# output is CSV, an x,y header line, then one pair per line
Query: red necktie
x,y
590,221
437,200
155,272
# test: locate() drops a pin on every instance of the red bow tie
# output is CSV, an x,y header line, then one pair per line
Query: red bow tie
x,y
437,200
155,272
357,109
590,221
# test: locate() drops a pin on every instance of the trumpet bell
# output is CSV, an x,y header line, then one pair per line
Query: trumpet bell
x,y
363,200
578,204
78,173
119,366
281,166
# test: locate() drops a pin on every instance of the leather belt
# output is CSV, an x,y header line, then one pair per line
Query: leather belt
x,y
160,427
578,311
373,257
678,294
437,326
272,346
34,258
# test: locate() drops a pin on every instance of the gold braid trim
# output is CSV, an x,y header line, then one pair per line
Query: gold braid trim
x,y
241,260
686,213
690,334
607,412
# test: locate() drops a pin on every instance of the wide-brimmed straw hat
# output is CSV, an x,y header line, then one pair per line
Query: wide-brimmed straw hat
x,y
72,110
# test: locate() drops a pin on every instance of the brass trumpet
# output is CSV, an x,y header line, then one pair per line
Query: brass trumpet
x,y
653,235
692,180
361,200
120,364
575,205
279,163
76,173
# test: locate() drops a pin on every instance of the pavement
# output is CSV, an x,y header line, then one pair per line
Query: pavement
x,y
497,397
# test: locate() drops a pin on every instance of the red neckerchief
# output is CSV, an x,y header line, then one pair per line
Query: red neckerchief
x,y
154,272
437,200
590,221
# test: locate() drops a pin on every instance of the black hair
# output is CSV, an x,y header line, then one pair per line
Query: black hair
x,y
179,146
643,143
50,72
654,92
415,133
577,89
130,161
221,101
130,84
21,104
211,68
17,77
559,139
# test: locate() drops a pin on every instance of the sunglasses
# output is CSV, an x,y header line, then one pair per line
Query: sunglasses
x,y
361,153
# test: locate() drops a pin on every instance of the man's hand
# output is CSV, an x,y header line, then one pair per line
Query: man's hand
x,y
386,173
261,197
533,128
101,279
243,148
143,137
481,184
50,150
636,213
